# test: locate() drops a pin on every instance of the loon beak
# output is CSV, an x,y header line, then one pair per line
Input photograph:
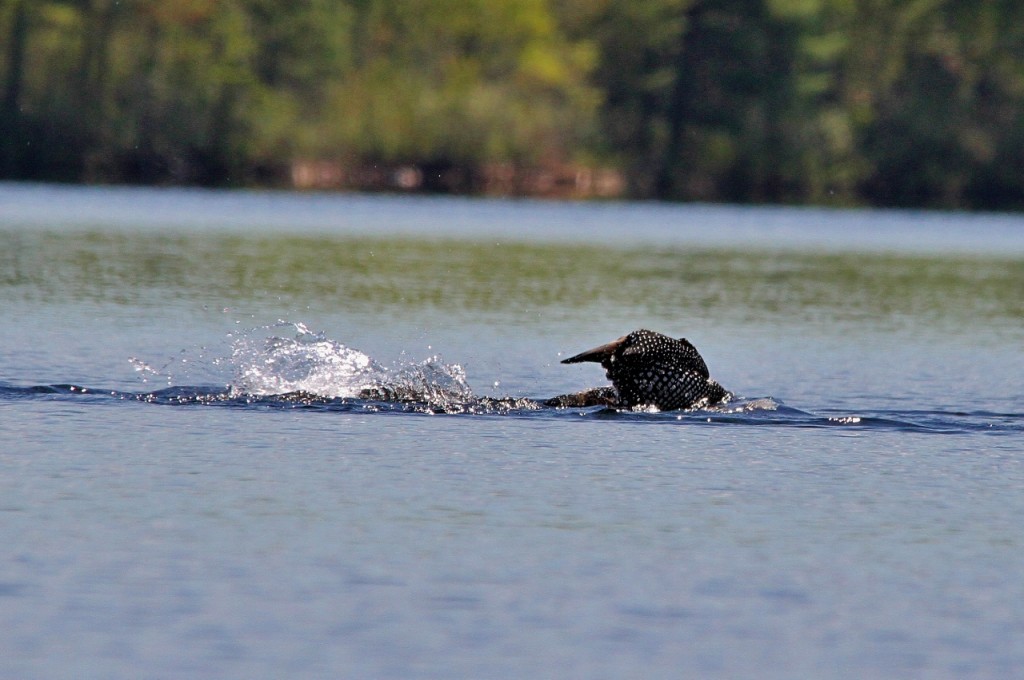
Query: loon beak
x,y
597,354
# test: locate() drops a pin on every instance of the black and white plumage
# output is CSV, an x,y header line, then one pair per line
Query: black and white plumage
x,y
650,369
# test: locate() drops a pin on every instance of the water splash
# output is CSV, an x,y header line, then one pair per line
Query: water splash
x,y
266,362
191,364
145,371
747,405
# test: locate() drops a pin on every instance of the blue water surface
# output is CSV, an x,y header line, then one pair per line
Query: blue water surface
x,y
191,485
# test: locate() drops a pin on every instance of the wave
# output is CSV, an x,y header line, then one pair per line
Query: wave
x,y
302,369
762,411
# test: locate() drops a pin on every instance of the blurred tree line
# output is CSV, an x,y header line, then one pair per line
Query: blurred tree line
x,y
883,102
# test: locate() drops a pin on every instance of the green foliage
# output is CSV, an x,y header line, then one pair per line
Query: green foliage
x,y
806,101
465,81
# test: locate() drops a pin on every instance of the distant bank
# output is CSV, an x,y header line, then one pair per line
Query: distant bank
x,y
495,179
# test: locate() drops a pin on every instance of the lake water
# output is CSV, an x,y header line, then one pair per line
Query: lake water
x,y
855,511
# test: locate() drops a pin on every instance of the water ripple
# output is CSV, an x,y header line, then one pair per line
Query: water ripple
x,y
287,366
759,412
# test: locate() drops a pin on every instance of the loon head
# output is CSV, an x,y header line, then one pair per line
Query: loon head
x,y
651,369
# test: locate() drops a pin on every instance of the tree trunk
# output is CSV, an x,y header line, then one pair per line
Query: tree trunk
x,y
11,128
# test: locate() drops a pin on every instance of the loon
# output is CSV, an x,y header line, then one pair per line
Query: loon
x,y
647,369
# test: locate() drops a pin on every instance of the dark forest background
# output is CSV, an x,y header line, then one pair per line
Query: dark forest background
x,y
845,102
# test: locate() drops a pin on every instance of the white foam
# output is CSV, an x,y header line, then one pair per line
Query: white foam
x,y
265,362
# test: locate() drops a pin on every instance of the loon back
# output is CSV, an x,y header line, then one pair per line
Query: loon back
x,y
651,369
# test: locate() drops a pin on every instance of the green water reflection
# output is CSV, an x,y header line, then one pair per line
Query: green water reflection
x,y
393,276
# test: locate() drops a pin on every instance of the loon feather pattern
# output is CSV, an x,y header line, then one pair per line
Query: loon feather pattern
x,y
652,369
